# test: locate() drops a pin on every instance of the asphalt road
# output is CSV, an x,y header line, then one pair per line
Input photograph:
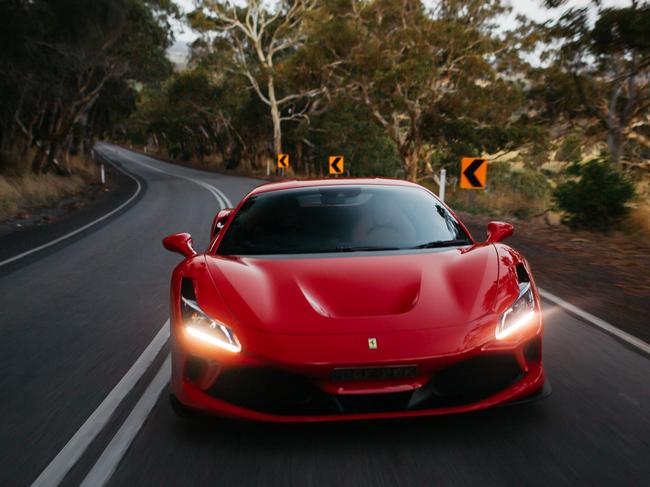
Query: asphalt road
x,y
75,317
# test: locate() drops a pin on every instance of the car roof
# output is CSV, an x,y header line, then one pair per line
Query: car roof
x,y
311,183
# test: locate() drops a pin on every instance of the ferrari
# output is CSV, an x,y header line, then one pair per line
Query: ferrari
x,y
344,299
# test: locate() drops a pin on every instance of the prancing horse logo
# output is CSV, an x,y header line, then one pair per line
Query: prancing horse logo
x,y
372,343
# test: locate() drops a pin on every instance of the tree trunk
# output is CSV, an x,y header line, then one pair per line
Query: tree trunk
x,y
39,159
52,161
299,163
275,116
411,160
615,144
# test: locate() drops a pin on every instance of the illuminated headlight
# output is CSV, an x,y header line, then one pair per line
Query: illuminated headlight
x,y
520,314
199,325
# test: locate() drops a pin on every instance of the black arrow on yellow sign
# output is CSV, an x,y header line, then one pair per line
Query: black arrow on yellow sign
x,y
469,172
337,164
473,173
283,161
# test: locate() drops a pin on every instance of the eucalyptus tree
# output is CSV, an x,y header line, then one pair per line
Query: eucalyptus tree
x,y
609,63
253,41
421,71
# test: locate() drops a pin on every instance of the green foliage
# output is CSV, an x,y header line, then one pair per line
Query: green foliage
x,y
348,129
618,29
527,182
607,63
597,199
69,71
571,149
553,94
429,77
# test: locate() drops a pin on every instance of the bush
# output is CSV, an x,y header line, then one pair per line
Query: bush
x,y
571,149
597,199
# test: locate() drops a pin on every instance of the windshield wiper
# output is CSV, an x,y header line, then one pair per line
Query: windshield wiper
x,y
441,243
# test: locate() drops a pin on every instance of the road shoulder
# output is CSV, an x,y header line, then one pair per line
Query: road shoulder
x,y
16,240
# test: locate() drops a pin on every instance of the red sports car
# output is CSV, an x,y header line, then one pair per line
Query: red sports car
x,y
350,299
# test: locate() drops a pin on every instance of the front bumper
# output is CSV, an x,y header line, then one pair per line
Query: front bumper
x,y
256,388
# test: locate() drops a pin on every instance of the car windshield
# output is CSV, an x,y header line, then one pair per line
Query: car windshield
x,y
341,219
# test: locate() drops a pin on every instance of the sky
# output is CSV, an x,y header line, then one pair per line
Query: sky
x,y
531,8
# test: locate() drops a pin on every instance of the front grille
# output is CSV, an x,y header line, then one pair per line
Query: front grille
x,y
474,379
279,392
271,391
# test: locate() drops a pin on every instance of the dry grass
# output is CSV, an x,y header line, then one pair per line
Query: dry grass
x,y
497,204
21,193
638,222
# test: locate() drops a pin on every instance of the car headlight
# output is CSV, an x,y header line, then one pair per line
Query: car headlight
x,y
521,313
199,325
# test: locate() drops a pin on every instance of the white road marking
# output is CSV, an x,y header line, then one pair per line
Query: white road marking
x,y
59,467
78,230
110,458
594,320
72,451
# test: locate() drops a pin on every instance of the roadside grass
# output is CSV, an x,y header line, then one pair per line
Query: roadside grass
x,y
20,194
496,204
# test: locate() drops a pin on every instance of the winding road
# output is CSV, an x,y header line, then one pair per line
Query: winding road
x,y
84,365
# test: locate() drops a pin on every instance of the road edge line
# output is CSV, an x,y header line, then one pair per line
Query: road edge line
x,y
107,464
598,322
59,467
82,228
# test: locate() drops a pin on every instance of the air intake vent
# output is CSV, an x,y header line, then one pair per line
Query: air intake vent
x,y
187,292
187,289
522,275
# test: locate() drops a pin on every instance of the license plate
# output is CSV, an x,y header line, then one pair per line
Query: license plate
x,y
348,374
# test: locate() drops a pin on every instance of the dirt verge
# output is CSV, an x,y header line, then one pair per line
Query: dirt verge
x,y
88,195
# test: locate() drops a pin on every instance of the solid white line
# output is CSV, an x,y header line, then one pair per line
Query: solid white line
x,y
72,451
594,320
81,229
110,458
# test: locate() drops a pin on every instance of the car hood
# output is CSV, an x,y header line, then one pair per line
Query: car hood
x,y
355,293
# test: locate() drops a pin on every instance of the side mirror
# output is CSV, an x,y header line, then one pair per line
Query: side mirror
x,y
498,231
219,221
181,243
